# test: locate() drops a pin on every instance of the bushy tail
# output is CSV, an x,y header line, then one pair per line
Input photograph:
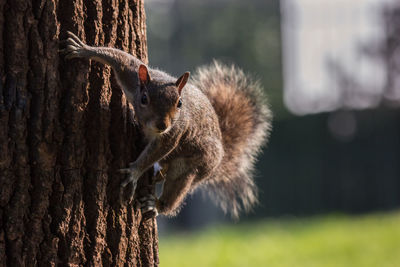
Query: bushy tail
x,y
245,122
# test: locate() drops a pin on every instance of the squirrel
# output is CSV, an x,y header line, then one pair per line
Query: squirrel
x,y
207,131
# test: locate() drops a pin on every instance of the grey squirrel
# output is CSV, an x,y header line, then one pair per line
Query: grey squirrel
x,y
207,131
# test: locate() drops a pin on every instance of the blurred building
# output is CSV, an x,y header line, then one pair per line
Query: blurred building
x,y
334,54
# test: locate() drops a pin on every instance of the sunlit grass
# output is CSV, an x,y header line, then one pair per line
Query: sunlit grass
x,y
370,240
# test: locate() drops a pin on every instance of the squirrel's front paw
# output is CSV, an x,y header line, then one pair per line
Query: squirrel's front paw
x,y
148,206
133,176
75,48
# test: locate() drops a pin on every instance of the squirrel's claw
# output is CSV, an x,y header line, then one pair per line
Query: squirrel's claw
x,y
75,38
73,43
132,177
74,47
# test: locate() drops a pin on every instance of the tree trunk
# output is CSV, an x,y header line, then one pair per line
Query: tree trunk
x,y
65,128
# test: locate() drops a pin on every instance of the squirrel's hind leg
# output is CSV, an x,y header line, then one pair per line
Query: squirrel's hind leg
x,y
148,202
174,192
179,178
148,205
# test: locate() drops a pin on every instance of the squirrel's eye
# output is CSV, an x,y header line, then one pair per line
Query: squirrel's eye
x,y
144,99
179,103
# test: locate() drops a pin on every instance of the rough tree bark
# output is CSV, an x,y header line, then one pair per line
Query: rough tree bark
x,y
65,128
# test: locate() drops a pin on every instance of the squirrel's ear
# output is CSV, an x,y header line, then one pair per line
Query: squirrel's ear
x,y
144,75
181,82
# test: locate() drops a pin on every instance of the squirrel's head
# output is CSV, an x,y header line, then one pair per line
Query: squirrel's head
x,y
158,103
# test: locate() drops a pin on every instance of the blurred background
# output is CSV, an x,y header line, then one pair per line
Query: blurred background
x,y
331,71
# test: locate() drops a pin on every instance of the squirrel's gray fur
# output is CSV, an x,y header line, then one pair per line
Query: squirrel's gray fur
x,y
207,131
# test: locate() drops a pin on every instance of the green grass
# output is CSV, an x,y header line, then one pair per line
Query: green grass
x,y
370,240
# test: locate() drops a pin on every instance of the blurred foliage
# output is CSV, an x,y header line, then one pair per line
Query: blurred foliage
x,y
309,169
185,34
372,240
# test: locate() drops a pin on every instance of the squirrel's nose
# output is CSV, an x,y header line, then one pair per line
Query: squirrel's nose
x,y
161,126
